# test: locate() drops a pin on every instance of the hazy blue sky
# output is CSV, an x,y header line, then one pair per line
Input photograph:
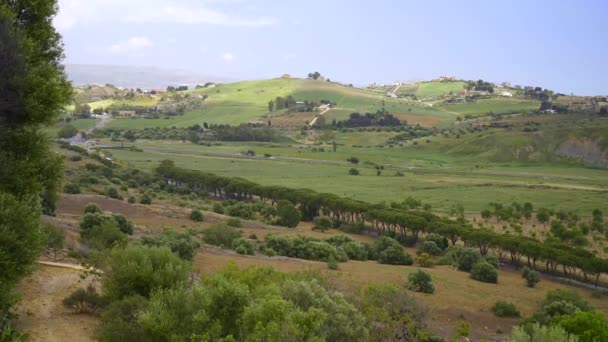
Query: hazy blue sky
x,y
561,45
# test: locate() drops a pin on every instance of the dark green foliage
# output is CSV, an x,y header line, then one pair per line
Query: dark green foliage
x,y
234,222
484,272
322,223
92,208
504,309
71,188
467,259
112,193
85,300
532,276
196,215
221,235
119,320
430,247
104,235
184,244
243,246
131,199
569,296
218,208
353,172
242,210
138,270
420,281
395,256
355,250
332,263
288,214
439,240
145,199
587,326
67,131
124,225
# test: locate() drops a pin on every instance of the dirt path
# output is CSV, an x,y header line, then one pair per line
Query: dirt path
x,y
312,123
41,312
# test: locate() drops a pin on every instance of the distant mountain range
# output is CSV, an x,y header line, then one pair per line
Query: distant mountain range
x,y
135,76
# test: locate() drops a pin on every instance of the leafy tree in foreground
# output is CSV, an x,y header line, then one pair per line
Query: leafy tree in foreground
x,y
34,90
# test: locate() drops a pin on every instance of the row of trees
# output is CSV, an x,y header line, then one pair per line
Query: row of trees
x,y
380,118
557,257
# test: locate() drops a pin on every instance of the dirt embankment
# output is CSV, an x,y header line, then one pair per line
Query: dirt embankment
x,y
587,151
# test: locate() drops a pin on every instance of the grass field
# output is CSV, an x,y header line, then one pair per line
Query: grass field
x,y
439,180
435,89
485,106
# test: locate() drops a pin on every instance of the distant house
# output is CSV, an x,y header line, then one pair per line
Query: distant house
x,y
505,94
447,78
127,113
286,76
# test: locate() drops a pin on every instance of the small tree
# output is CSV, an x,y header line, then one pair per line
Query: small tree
x,y
484,272
196,215
332,263
288,214
353,172
353,160
532,276
504,309
424,260
112,193
322,223
92,208
145,199
420,281
67,132
71,188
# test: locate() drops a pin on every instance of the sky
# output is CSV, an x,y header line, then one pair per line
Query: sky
x,y
560,45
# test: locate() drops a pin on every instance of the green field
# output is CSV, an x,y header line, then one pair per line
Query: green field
x,y
436,89
497,106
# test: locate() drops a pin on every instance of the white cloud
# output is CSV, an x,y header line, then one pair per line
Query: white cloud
x,y
81,12
133,44
227,56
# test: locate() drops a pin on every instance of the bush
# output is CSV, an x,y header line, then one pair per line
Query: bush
x,y
484,272
76,158
568,296
430,248
182,244
131,199
123,224
424,260
468,258
439,240
218,208
243,246
138,270
504,309
395,256
541,333
92,208
103,236
119,320
234,222
84,300
112,193
67,132
145,199
420,281
355,250
332,263
288,214
221,235
353,172
322,223
532,276
196,215
72,188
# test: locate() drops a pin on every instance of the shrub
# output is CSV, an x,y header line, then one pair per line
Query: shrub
x,y
430,248
439,240
395,256
76,158
288,214
492,260
467,259
233,222
72,188
322,223
119,320
92,208
84,300
221,235
484,272
182,244
145,199
105,235
196,215
243,246
218,208
242,210
424,260
123,224
355,250
131,199
532,276
138,270
67,132
504,309
332,263
353,172
542,333
420,281
569,296
112,193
